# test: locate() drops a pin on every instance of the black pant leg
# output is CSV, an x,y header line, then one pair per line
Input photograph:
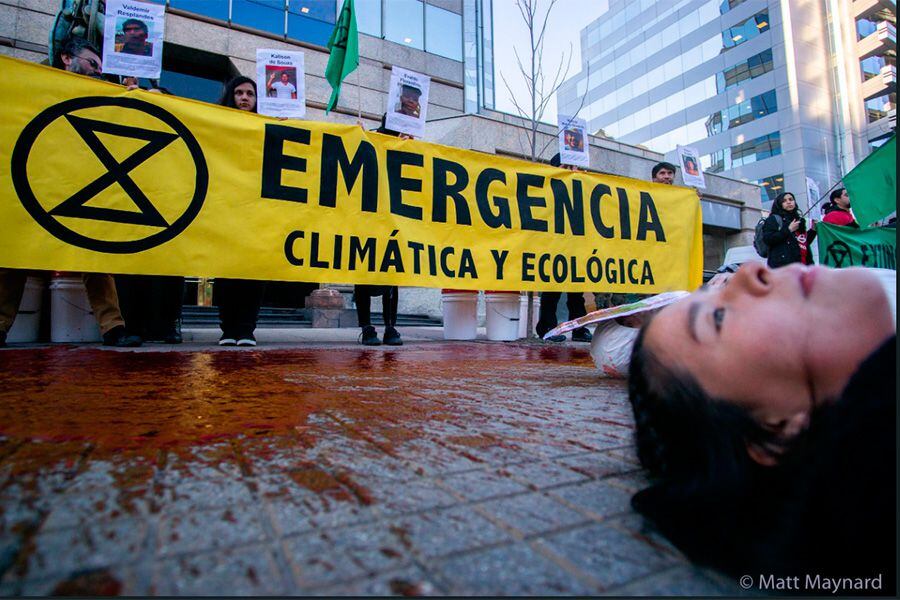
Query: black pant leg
x,y
363,300
547,319
135,303
390,300
575,305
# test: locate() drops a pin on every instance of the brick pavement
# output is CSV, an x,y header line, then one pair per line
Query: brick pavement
x,y
435,468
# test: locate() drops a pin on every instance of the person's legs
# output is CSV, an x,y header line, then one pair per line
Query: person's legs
x,y
134,302
390,301
12,287
575,306
362,296
547,319
249,299
224,297
101,293
104,300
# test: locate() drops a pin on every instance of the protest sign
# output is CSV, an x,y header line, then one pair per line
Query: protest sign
x,y
100,179
574,148
281,91
841,247
407,102
691,172
812,197
133,38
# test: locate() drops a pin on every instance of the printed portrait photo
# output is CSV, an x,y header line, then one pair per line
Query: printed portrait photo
x,y
281,82
408,102
573,140
131,37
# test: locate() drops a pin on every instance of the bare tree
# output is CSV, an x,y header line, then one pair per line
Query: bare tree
x,y
541,90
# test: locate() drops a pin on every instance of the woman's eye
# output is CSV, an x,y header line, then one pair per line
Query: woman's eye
x,y
718,317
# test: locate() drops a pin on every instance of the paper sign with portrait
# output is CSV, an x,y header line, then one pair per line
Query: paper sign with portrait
x,y
574,147
280,84
133,38
407,102
812,196
691,171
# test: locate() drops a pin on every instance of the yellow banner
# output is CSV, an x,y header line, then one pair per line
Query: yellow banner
x,y
96,178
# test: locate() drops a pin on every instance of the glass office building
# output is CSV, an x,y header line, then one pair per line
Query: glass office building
x,y
752,84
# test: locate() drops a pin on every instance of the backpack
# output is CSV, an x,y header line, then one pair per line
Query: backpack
x,y
761,247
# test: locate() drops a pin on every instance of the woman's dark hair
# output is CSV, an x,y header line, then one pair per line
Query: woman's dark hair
x,y
836,194
695,448
785,215
227,98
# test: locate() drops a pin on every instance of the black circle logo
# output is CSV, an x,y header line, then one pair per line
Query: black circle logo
x,y
838,252
76,205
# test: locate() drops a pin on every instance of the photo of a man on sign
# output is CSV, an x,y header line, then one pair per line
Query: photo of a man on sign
x,y
132,38
408,103
280,83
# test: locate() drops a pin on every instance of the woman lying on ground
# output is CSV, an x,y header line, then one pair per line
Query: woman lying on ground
x,y
765,413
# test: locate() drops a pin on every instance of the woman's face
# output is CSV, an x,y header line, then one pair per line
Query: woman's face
x,y
776,342
245,97
788,203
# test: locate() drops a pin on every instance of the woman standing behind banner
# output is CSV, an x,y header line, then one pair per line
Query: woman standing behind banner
x,y
786,235
238,299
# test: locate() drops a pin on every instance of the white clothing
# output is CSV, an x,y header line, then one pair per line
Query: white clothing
x,y
284,91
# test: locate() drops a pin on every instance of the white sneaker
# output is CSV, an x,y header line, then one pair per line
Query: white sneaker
x,y
247,341
227,341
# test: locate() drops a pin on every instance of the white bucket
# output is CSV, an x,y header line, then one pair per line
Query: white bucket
x,y
523,313
502,310
71,319
459,308
26,325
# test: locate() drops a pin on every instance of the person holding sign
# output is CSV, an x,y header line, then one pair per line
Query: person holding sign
x,y
239,299
362,294
549,301
284,89
409,101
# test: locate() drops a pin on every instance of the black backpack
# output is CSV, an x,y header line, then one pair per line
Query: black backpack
x,y
761,247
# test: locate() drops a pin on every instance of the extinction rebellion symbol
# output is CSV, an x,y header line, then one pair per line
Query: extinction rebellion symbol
x,y
92,188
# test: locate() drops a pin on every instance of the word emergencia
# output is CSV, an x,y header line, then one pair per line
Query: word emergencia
x,y
172,186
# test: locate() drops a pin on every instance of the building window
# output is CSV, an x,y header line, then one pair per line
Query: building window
x,y
871,67
749,29
865,28
728,5
878,108
368,16
745,153
742,112
771,187
265,15
311,20
443,32
217,9
753,67
404,23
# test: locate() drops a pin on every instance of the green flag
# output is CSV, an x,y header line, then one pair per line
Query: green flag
x,y
841,247
344,48
872,185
